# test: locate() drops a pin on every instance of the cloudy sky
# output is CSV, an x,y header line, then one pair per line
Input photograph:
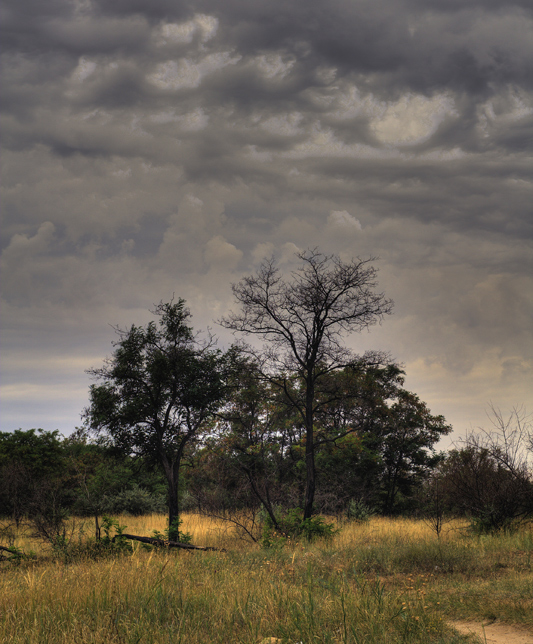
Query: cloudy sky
x,y
160,147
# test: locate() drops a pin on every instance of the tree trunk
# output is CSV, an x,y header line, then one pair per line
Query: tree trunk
x,y
172,472
309,452
97,531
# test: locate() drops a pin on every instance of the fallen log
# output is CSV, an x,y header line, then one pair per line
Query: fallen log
x,y
15,555
163,543
9,551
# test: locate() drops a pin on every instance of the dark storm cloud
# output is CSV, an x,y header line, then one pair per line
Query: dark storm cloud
x,y
422,45
154,147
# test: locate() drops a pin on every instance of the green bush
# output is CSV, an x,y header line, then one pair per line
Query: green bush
x,y
291,526
118,542
492,522
173,533
358,510
135,501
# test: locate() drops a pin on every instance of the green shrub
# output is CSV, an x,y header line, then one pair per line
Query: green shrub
x,y
358,510
173,533
492,522
291,526
135,501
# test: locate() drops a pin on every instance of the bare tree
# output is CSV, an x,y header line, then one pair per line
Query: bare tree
x,y
304,319
510,441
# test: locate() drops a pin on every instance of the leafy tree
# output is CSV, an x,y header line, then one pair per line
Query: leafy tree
x,y
157,392
408,452
252,433
378,439
304,319
100,472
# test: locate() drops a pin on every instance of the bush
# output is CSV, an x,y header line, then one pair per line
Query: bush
x,y
358,510
478,483
292,526
135,501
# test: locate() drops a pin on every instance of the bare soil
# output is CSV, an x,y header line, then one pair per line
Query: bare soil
x,y
495,632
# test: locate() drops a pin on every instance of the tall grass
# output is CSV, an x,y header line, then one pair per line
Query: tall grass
x,y
382,581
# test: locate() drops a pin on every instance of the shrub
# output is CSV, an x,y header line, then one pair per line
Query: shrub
x,y
173,533
292,526
358,510
135,501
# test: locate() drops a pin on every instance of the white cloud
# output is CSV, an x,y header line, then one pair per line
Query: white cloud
x,y
288,251
189,122
324,143
262,251
349,103
84,69
284,124
342,219
504,109
221,254
274,66
412,119
22,245
252,152
194,121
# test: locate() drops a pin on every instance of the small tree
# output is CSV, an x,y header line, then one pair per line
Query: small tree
x,y
304,320
490,477
157,392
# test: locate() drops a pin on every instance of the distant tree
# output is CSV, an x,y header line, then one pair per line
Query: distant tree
x,y
304,319
31,464
252,436
157,393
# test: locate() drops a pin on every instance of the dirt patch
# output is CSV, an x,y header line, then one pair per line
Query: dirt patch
x,y
495,633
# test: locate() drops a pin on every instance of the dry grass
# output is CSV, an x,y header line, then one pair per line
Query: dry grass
x,y
383,581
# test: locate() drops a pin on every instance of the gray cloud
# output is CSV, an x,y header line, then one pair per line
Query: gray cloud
x,y
160,148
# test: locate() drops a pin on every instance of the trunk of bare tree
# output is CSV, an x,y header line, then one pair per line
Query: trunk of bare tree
x,y
309,452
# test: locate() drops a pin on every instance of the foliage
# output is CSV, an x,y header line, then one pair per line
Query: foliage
x,y
116,542
135,501
32,464
481,487
173,533
290,526
359,511
15,555
375,439
489,478
157,392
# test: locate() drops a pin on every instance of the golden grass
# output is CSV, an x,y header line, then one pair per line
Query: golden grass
x,y
382,581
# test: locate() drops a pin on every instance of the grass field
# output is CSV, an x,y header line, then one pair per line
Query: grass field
x,y
381,582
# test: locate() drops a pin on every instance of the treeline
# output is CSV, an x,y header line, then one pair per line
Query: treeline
x,y
230,473
302,422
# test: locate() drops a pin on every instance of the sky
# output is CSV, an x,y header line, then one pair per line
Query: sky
x,y
154,149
